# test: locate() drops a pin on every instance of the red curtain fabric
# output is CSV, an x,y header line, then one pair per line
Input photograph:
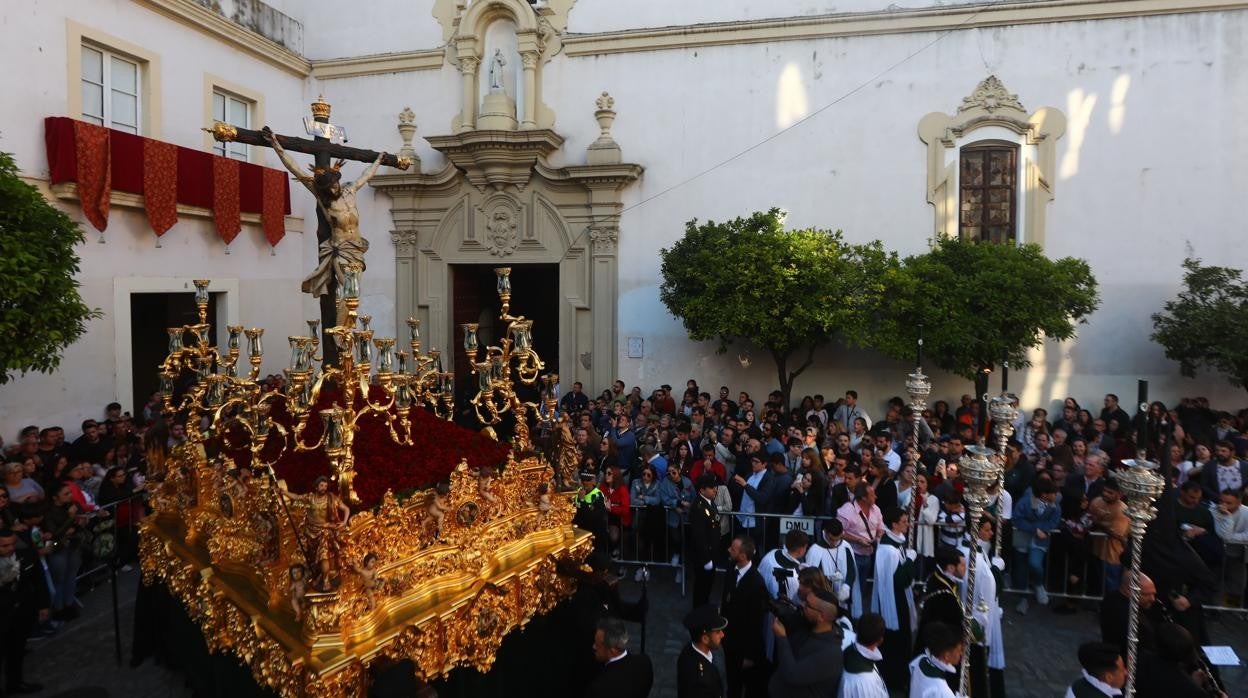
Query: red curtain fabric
x,y
160,184
91,149
125,154
225,204
272,219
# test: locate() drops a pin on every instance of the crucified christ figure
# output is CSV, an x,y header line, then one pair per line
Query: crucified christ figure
x,y
337,201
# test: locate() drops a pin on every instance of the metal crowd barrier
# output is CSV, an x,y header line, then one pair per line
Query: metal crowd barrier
x,y
110,537
1072,558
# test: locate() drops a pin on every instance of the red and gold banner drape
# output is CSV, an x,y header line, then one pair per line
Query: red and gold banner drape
x,y
225,211
91,148
160,184
273,217
101,160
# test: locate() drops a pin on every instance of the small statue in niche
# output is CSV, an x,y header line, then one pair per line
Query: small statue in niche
x,y
543,498
298,588
438,506
496,71
369,579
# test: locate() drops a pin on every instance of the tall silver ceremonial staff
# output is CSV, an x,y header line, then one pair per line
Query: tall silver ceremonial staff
x,y
979,470
918,387
1003,412
1141,486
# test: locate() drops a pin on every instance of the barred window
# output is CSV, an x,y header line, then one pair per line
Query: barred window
x,y
988,197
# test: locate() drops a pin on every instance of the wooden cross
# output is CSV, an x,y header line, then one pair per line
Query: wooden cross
x,y
324,149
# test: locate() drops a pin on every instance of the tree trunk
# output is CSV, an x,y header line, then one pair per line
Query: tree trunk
x,y
787,378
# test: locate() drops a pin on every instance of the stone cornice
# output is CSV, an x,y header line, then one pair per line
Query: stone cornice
x,y
497,157
240,38
445,179
692,36
875,23
377,64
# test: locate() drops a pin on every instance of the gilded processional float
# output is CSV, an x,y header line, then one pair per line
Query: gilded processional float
x,y
314,528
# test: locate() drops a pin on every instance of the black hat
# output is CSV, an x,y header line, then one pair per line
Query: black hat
x,y
707,480
589,475
704,619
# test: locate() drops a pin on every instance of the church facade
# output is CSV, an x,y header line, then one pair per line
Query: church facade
x,y
573,139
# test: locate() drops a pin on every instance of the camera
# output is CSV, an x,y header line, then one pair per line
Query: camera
x,y
782,606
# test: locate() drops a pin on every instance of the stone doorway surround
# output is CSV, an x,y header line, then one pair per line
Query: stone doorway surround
x,y
498,202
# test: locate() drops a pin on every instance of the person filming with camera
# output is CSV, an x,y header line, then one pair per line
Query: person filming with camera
x,y
815,669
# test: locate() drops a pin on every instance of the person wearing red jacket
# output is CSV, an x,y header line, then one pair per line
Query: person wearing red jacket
x,y
708,464
619,507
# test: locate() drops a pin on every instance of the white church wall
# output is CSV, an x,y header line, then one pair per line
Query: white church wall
x,y
1146,173
336,30
267,278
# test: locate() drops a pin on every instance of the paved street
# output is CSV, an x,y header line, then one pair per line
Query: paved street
x,y
79,662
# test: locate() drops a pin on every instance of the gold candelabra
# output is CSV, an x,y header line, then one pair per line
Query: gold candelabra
x,y
220,404
496,392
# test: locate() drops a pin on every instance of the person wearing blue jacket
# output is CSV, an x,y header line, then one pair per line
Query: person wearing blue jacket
x,y
1036,515
675,493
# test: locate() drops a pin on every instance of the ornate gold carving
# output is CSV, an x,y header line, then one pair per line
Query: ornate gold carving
x,y
443,601
222,132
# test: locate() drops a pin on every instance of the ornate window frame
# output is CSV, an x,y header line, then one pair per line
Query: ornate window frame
x,y
992,113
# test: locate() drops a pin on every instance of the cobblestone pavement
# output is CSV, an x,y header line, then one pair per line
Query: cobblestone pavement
x,y
1040,647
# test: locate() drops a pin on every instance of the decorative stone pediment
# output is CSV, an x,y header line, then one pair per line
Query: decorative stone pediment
x,y
497,158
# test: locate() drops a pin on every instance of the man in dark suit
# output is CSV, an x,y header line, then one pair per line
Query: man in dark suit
x,y
1092,483
623,674
703,535
24,599
696,675
744,607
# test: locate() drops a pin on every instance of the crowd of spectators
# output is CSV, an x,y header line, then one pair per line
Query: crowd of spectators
x,y
68,507
759,464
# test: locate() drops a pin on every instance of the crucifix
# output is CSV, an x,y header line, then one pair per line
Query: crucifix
x,y
337,219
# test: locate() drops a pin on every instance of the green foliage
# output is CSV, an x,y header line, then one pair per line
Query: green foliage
x,y
1204,327
982,303
782,290
41,311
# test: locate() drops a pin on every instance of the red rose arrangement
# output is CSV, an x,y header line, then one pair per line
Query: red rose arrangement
x,y
381,463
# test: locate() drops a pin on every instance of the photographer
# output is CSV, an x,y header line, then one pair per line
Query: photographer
x,y
779,567
814,670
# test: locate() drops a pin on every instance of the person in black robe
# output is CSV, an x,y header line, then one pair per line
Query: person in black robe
x,y
24,599
1174,671
940,598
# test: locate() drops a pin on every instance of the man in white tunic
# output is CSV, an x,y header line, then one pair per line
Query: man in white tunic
x,y
833,556
933,672
987,681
